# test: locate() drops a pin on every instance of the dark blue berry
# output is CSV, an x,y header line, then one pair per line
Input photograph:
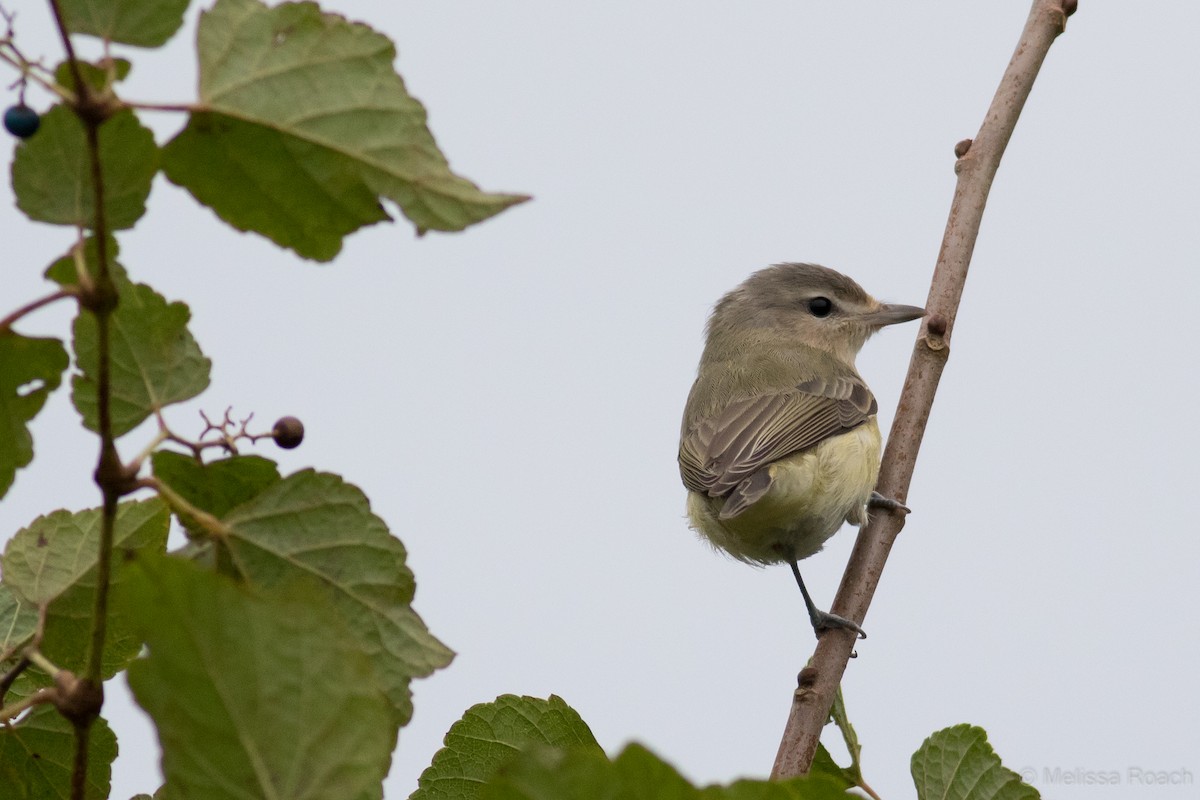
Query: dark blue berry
x,y
21,121
288,432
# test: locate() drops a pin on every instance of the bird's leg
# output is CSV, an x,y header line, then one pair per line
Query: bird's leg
x,y
823,620
879,501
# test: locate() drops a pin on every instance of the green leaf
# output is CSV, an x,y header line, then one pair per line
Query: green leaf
x,y
957,763
304,126
216,487
636,774
95,76
58,550
143,23
155,361
491,733
18,620
30,369
315,525
52,173
811,788
254,697
824,765
36,756
54,561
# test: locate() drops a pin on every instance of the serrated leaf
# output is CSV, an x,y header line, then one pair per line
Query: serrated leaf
x,y
54,561
957,763
303,126
56,551
491,733
143,23
30,369
36,756
154,359
218,486
635,774
315,525
254,697
52,174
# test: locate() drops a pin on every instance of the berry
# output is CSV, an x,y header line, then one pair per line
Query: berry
x,y
21,121
288,432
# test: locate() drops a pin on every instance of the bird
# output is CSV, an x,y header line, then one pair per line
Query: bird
x,y
779,444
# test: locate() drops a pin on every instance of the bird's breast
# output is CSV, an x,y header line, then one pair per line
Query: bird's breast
x,y
811,494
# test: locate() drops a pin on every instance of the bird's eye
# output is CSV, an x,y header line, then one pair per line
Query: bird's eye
x,y
820,306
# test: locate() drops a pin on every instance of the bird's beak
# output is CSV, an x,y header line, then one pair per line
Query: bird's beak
x,y
890,314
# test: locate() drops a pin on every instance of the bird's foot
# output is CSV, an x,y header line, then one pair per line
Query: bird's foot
x,y
824,621
879,501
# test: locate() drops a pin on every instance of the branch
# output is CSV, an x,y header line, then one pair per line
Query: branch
x,y
976,167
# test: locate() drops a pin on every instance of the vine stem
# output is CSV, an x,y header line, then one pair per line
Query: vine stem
x,y
101,301
213,526
976,167
7,323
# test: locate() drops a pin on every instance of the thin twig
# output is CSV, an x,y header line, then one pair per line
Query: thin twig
x,y
29,68
44,695
187,108
976,167
72,62
7,323
183,508
11,676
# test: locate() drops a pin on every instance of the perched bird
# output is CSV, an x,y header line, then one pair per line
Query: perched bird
x,y
779,444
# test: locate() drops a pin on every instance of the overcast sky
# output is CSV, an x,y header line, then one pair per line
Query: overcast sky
x,y
509,398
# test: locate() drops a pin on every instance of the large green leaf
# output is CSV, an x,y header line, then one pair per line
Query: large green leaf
x,y
490,734
303,125
155,361
52,173
29,370
957,763
254,697
635,774
315,525
36,756
54,561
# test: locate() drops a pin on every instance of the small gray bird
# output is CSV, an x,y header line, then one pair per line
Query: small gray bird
x,y
779,444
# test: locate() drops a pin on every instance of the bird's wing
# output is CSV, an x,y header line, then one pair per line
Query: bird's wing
x,y
721,451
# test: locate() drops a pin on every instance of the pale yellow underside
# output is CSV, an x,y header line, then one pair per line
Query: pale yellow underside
x,y
811,494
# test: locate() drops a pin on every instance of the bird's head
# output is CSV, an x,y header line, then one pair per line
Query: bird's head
x,y
805,304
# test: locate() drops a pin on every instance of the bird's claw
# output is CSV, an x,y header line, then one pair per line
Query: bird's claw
x,y
825,621
879,501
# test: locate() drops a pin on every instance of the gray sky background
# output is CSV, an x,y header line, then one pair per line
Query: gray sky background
x,y
509,398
